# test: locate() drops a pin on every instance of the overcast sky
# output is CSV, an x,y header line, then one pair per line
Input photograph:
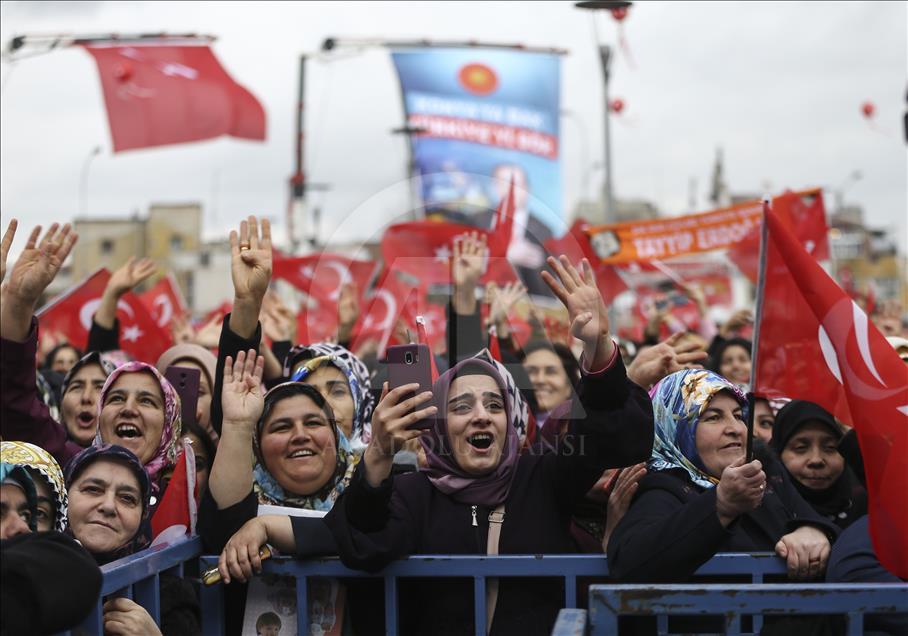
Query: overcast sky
x,y
778,86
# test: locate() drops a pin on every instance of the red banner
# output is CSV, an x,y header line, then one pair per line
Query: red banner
x,y
322,275
164,301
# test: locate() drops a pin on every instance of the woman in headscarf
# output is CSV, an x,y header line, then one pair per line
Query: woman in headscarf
x,y
18,501
140,411
732,359
554,372
700,497
197,357
48,479
109,502
342,379
806,437
110,506
301,459
477,485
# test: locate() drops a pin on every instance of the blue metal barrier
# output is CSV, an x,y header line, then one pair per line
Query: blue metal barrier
x,y
137,577
569,567
608,602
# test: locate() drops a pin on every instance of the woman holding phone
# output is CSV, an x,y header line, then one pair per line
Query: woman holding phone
x,y
477,486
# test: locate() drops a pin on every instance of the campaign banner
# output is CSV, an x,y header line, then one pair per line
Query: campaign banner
x,y
706,231
487,116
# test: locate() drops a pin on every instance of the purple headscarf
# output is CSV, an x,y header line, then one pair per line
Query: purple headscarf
x,y
169,444
443,470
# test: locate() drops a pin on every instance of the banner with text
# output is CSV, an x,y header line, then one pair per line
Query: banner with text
x,y
485,113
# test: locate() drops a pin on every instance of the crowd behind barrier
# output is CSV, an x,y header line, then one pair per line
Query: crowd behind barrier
x,y
479,493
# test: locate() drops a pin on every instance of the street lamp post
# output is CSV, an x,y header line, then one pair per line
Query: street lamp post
x,y
83,182
605,58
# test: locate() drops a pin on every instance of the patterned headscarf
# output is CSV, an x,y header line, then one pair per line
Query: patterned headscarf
x,y
267,488
17,476
36,458
443,470
74,467
678,402
169,444
357,378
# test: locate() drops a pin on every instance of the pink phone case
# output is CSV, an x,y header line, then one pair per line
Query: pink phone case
x,y
409,364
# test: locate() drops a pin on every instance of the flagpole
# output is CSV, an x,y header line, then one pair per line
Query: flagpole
x,y
758,316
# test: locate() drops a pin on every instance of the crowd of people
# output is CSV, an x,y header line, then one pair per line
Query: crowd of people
x,y
594,445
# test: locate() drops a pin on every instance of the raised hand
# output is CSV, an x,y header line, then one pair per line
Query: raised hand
x,y
654,363
278,322
587,312
130,275
39,263
501,300
738,320
468,259
243,397
250,260
125,279
5,244
181,329
619,500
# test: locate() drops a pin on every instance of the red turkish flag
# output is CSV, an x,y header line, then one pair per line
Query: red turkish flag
x,y
816,344
322,275
316,324
423,249
391,300
218,312
71,314
176,515
503,228
575,244
164,301
157,95
804,214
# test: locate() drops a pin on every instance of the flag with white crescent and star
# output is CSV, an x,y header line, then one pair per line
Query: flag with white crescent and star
x,y
814,343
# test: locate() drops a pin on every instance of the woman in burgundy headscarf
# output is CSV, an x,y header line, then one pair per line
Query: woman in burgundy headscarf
x,y
476,479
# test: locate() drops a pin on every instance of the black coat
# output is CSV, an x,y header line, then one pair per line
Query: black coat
x,y
612,425
672,527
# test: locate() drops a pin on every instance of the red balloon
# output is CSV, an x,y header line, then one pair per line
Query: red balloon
x,y
619,13
616,105
868,109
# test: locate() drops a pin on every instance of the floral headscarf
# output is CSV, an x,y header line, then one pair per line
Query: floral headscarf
x,y
357,378
169,444
74,467
267,488
678,402
36,458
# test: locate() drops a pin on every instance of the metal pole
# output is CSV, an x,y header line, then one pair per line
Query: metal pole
x,y
83,182
608,215
297,210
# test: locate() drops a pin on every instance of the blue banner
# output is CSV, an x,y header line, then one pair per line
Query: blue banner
x,y
488,115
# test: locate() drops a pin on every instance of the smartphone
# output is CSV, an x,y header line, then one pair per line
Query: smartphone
x,y
186,382
410,364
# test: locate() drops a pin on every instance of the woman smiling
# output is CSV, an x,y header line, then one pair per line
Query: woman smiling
x,y
477,486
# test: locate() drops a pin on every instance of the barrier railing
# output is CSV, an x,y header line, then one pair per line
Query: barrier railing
x,y
138,577
731,602
568,567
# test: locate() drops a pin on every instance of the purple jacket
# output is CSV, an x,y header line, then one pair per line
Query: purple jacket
x,y
24,416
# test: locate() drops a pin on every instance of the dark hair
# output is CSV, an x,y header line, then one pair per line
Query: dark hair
x,y
52,354
268,619
720,350
794,415
196,429
290,389
568,361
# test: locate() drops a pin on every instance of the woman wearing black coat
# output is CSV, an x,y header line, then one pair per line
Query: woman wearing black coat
x,y
700,497
474,468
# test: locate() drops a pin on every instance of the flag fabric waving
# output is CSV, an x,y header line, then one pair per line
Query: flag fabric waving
x,y
176,515
164,301
71,314
814,343
322,275
160,94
